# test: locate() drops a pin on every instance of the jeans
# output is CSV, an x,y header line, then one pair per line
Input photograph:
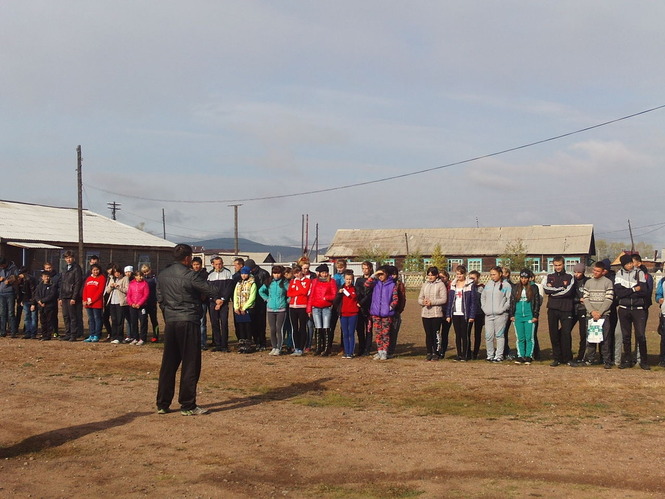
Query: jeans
x,y
95,321
7,314
349,333
30,320
321,317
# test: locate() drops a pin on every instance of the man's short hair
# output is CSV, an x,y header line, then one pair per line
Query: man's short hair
x,y
93,257
558,258
69,253
215,258
239,260
600,265
637,257
197,259
182,251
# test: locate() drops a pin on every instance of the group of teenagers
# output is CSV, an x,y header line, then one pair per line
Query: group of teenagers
x,y
606,302
119,300
301,309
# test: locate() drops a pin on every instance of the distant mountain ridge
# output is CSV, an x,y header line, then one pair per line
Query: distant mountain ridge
x,y
279,253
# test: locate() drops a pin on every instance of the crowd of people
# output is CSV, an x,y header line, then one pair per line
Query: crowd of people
x,y
301,309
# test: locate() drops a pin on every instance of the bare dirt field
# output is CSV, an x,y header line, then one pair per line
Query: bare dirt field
x,y
79,420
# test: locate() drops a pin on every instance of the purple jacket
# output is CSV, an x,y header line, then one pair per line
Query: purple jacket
x,y
469,301
384,297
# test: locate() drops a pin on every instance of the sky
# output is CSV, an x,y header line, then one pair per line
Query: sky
x,y
189,107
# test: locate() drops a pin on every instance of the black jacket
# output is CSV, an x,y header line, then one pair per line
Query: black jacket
x,y
47,294
179,291
71,283
625,283
560,287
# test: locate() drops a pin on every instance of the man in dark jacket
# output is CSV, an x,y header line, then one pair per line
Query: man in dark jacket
x,y
630,288
71,285
8,273
179,291
559,286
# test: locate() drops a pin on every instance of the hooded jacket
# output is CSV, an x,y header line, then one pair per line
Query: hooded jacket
x,y
385,297
495,298
437,294
468,300
625,283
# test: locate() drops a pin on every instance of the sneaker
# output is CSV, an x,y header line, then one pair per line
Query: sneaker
x,y
94,339
497,360
377,356
608,365
115,342
645,366
661,363
528,361
488,359
197,411
128,340
162,411
383,355
555,363
88,339
153,340
134,342
519,360
297,353
140,343
429,357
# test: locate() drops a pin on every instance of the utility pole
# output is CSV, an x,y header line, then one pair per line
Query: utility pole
x,y
406,240
163,223
306,233
235,225
79,165
302,234
114,207
317,243
632,242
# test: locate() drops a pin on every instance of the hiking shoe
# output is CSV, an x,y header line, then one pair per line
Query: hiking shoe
x,y
163,411
197,411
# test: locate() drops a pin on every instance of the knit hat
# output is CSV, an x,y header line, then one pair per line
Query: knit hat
x,y
245,270
526,273
606,262
625,259
323,268
580,267
129,268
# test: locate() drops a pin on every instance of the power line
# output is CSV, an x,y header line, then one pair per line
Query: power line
x,y
393,177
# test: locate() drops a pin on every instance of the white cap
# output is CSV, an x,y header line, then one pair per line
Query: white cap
x,y
129,268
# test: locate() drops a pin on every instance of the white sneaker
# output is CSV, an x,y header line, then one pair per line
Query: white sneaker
x,y
383,355
273,352
134,342
377,356
139,343
115,342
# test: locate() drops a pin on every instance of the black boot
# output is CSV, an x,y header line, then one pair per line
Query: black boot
x,y
328,338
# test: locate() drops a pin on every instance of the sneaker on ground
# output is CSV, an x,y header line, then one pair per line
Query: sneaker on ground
x,y
128,340
153,340
377,356
528,360
115,342
134,342
162,411
94,339
139,343
197,411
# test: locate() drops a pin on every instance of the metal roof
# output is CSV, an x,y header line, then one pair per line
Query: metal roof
x,y
23,222
481,241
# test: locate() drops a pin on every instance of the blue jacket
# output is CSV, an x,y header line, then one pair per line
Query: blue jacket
x,y
469,300
275,295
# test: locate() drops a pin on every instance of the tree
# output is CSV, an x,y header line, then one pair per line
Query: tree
x,y
414,262
438,259
611,250
373,255
515,256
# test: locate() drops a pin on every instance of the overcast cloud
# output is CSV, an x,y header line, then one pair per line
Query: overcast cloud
x,y
222,100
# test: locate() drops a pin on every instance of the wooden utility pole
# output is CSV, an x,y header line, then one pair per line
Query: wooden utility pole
x,y
235,225
632,242
79,165
406,241
317,243
163,223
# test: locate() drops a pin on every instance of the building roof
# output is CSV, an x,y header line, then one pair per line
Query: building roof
x,y
481,241
24,222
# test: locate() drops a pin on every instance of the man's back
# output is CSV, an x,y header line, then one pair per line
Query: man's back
x,y
179,291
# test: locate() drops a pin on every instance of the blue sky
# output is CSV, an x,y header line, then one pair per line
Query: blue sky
x,y
221,100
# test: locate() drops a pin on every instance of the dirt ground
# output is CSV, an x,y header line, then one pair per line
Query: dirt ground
x,y
79,420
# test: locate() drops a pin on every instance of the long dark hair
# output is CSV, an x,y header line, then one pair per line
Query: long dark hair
x,y
529,290
282,280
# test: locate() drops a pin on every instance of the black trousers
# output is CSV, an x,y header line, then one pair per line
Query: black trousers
x,y
299,320
258,324
73,317
662,338
364,332
182,345
46,318
219,320
462,334
117,320
431,325
445,331
630,319
138,320
478,325
580,318
560,324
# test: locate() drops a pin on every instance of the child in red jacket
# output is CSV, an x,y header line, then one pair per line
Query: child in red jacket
x,y
93,293
138,292
348,312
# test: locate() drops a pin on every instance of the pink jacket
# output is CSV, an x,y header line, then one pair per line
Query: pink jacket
x,y
137,293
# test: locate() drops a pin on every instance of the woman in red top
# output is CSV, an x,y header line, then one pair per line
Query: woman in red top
x,y
348,312
319,307
298,293
93,292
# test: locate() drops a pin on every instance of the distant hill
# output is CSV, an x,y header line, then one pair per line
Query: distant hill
x,y
280,253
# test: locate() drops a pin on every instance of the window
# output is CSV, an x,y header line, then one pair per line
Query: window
x,y
570,264
453,263
499,262
143,260
475,264
550,265
533,264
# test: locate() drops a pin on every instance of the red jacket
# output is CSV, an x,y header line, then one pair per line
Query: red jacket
x,y
349,306
322,294
93,288
298,292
